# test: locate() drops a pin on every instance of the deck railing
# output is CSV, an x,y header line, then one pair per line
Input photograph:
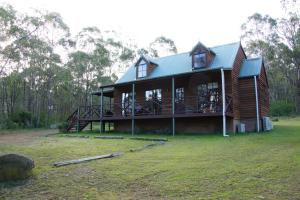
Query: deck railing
x,y
155,107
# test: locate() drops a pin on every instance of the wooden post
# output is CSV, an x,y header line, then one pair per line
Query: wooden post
x,y
101,110
91,109
173,106
110,104
132,110
223,103
78,116
256,102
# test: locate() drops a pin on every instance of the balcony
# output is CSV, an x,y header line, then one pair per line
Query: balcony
x,y
204,105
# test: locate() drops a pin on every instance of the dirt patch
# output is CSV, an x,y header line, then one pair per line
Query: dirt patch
x,y
24,137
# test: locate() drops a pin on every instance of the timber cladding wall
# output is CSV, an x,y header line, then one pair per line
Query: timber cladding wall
x,y
183,125
202,125
263,88
247,98
235,82
250,124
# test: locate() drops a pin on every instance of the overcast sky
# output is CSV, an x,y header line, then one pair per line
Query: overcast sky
x,y
212,22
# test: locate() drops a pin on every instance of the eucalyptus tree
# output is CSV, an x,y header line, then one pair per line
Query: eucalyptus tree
x,y
161,46
28,46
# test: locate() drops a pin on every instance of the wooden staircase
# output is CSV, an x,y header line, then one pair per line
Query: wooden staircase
x,y
81,117
74,123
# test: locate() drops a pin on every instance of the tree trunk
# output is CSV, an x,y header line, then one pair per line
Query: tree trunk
x,y
298,93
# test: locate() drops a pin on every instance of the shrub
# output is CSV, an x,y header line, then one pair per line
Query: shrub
x,y
22,118
282,108
63,127
9,124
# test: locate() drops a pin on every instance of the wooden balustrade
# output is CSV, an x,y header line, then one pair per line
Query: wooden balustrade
x,y
192,105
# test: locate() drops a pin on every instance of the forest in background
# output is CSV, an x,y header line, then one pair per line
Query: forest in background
x,y
46,72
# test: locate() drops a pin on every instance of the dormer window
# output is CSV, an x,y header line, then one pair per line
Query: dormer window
x,y
144,66
199,60
142,69
201,56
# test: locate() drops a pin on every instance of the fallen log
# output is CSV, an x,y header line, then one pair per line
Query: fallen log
x,y
109,137
70,162
150,139
147,146
76,136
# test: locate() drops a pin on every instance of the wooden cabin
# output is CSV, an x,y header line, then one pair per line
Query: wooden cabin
x,y
206,90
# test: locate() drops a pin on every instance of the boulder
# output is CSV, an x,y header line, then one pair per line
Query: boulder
x,y
15,167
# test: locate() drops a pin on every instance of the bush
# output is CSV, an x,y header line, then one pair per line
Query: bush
x,y
282,108
63,127
9,124
22,118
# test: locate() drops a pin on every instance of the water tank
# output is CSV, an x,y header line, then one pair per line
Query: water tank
x,y
241,128
267,124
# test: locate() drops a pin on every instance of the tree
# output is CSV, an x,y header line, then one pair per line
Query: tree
x,y
46,73
161,46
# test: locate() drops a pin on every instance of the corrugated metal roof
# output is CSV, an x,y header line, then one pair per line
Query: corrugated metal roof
x,y
251,67
182,63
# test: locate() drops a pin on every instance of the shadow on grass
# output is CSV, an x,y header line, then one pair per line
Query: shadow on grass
x,y
12,184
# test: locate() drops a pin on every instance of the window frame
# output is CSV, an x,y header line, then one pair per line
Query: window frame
x,y
126,99
179,95
208,96
196,61
142,70
157,91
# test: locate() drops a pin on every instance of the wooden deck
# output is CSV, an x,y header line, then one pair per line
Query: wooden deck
x,y
116,118
154,109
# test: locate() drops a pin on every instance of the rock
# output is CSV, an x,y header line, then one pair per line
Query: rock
x,y
15,167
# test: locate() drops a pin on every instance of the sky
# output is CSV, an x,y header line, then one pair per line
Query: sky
x,y
213,22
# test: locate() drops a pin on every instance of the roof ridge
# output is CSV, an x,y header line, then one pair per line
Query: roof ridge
x,y
189,51
170,55
221,45
254,58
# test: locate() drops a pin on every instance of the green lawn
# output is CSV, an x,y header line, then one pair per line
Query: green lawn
x,y
249,166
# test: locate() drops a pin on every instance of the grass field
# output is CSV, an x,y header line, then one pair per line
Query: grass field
x,y
249,166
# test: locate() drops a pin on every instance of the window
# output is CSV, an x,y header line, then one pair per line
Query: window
x,y
212,86
126,103
179,100
199,60
153,101
179,95
142,69
208,97
153,94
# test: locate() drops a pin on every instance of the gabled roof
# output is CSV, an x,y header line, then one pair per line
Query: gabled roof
x,y
251,67
182,63
199,45
145,58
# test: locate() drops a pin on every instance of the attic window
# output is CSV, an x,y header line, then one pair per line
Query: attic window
x,y
142,69
199,60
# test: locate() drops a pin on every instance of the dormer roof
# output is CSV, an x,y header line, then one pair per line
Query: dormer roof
x,y
199,46
146,58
